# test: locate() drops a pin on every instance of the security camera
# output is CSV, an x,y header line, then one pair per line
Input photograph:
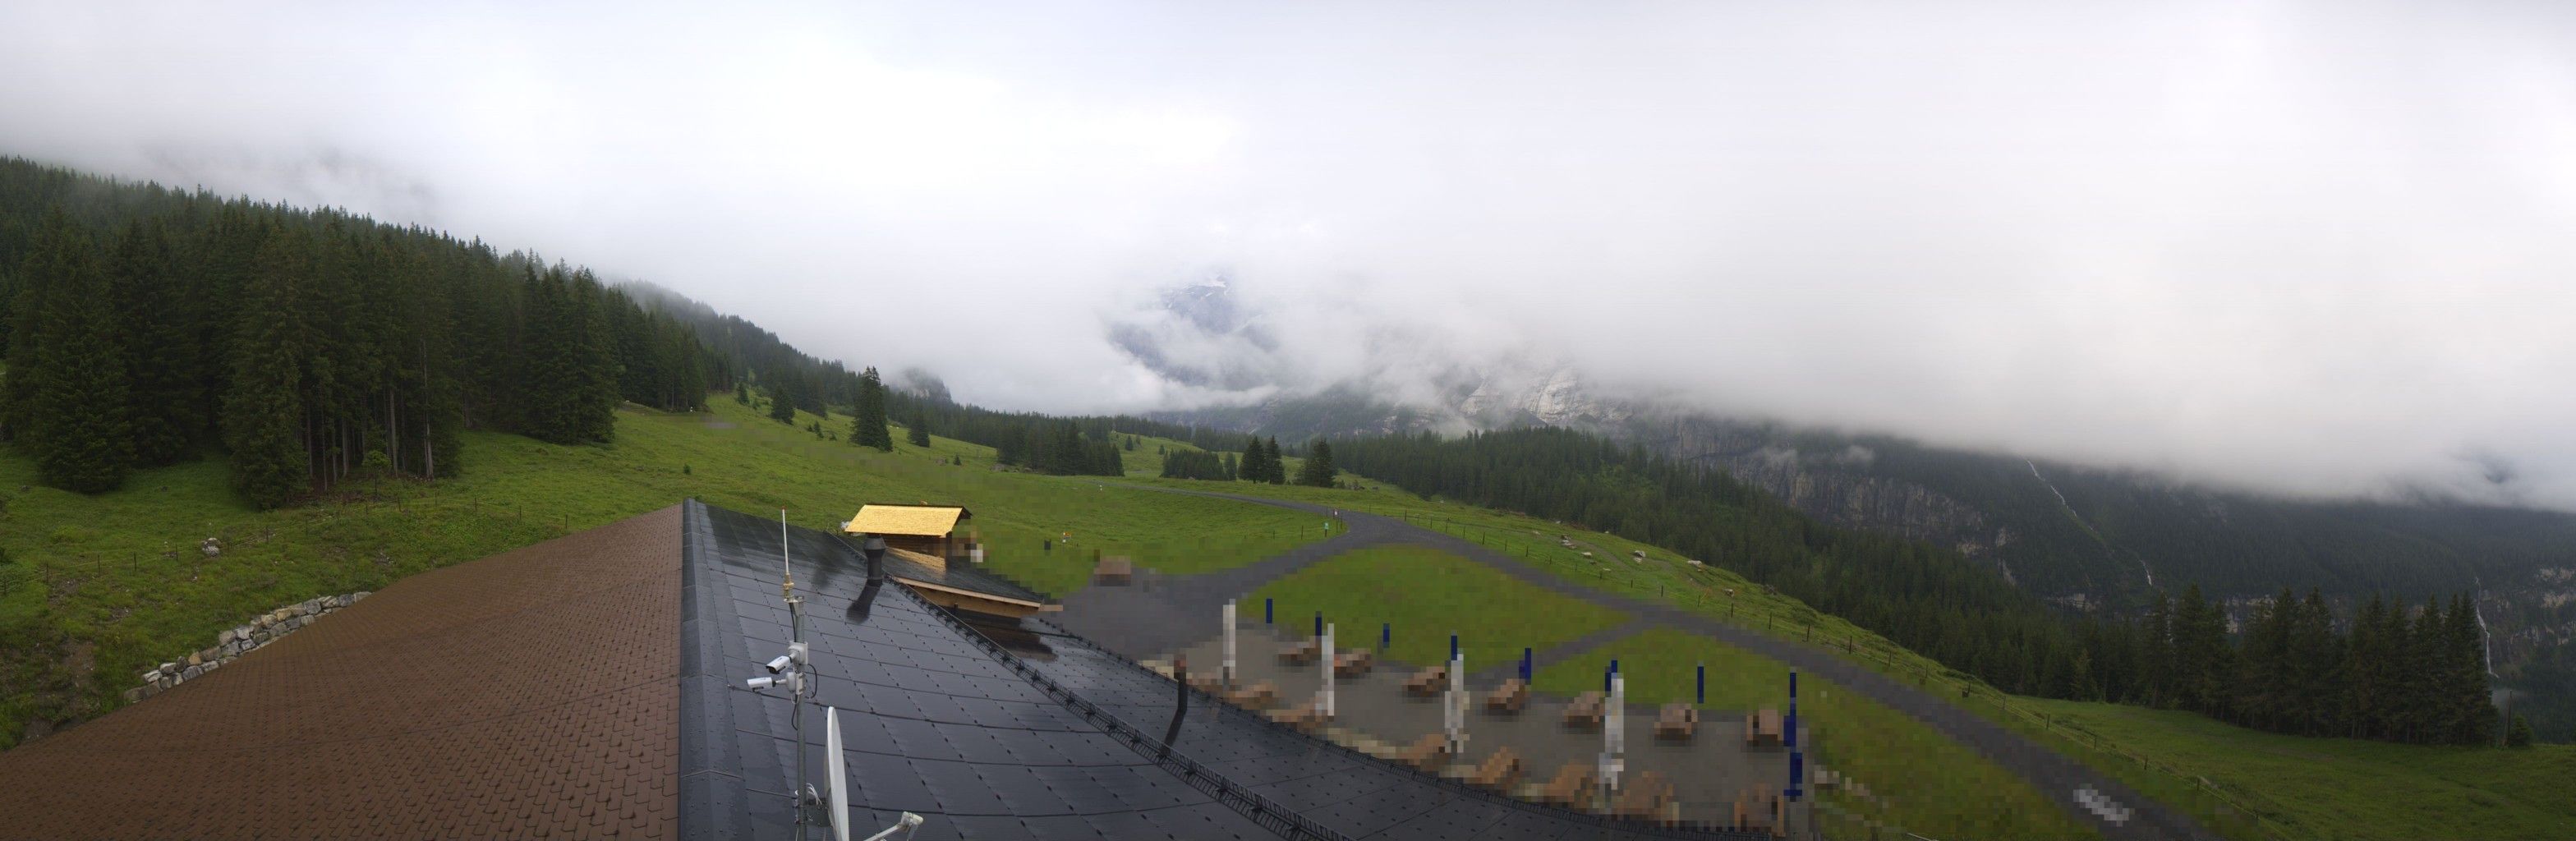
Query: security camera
x,y
761,682
778,664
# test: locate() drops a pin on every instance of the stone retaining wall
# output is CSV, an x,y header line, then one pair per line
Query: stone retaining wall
x,y
249,636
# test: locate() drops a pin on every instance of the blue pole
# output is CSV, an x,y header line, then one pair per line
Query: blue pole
x,y
1265,611
1453,647
1319,623
1703,684
1385,635
1797,759
1525,665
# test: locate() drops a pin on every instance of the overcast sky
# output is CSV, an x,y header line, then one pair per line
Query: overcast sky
x,y
2316,248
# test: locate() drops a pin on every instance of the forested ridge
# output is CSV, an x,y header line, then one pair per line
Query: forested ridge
x,y
2388,672
143,325
147,325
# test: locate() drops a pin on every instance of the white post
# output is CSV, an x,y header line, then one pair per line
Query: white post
x,y
1328,671
1455,711
1614,737
1229,643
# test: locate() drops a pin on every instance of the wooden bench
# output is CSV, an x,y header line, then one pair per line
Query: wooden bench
x,y
1255,697
1762,728
1678,722
1210,684
1113,570
1587,709
1508,698
1425,753
1643,796
1571,788
1300,653
1353,664
1428,682
1498,771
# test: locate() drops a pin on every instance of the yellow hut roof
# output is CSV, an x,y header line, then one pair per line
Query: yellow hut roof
x,y
915,520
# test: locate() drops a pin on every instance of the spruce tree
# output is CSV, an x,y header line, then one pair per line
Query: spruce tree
x,y
594,364
162,345
1317,472
2518,734
78,409
1274,469
917,430
782,401
263,406
742,393
2472,709
868,420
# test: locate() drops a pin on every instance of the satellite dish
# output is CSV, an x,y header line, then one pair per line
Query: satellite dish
x,y
840,801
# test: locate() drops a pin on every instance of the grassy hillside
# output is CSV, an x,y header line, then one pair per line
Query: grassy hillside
x,y
2350,788
105,587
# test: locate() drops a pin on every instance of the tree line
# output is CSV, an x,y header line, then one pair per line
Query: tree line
x,y
2396,675
2388,672
146,326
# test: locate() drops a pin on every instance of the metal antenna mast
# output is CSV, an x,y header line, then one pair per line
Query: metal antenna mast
x,y
789,670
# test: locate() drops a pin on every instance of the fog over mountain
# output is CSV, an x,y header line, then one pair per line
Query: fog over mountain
x,y
2308,248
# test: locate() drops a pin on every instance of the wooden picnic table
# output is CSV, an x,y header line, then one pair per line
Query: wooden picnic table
x,y
1300,653
1255,697
1643,796
1587,709
1498,771
1425,753
1571,787
1304,716
1353,663
1427,682
1508,698
1757,809
1678,722
1762,728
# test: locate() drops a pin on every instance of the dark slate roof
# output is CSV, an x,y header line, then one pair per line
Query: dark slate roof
x,y
936,720
1015,731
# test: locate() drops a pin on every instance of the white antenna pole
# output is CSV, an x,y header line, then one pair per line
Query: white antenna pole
x,y
787,573
1229,643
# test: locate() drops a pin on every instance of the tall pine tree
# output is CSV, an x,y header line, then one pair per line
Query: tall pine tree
x,y
159,323
76,409
917,429
1317,472
868,421
263,417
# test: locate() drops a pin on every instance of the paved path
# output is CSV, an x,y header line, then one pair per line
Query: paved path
x,y
1165,614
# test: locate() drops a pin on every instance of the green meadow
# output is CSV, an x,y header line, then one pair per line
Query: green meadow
x,y
101,588
1424,595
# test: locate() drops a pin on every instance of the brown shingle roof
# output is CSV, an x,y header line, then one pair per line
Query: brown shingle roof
x,y
529,693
